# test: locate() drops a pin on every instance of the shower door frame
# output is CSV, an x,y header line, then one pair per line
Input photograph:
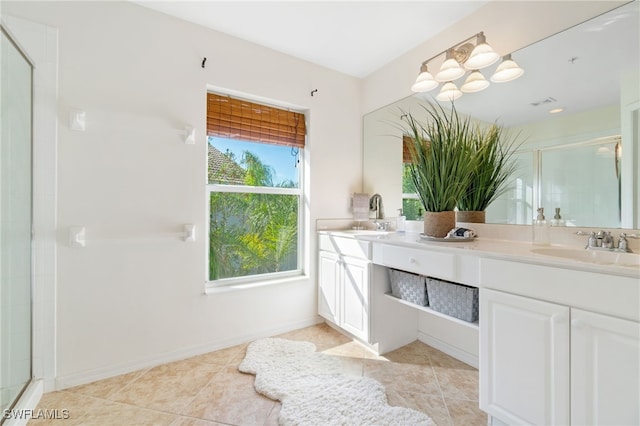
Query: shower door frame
x,y
11,39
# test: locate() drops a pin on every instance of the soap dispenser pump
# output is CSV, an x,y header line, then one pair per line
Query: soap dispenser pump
x,y
401,221
540,229
557,219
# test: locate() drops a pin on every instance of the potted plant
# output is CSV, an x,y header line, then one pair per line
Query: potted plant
x,y
493,168
442,164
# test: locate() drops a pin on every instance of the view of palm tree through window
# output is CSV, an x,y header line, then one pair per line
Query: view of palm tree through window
x,y
254,196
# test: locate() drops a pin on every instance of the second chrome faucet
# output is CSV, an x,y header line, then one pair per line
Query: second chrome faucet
x,y
604,241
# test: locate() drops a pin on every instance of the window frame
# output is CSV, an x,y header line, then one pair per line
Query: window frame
x,y
246,189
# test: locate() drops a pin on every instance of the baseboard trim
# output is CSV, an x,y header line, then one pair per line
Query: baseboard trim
x,y
76,379
455,352
49,385
26,405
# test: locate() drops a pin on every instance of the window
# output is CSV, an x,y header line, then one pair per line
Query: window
x,y
254,190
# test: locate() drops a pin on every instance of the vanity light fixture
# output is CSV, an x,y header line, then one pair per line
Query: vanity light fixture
x,y
460,59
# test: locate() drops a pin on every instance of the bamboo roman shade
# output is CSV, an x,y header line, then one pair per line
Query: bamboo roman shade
x,y
239,119
407,147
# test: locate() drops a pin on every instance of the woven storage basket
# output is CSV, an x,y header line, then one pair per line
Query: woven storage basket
x,y
456,300
409,287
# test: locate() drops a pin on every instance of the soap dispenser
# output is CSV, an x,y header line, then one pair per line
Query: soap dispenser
x,y
401,221
540,229
557,219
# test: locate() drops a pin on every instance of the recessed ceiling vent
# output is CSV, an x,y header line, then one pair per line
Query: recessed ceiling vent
x,y
545,101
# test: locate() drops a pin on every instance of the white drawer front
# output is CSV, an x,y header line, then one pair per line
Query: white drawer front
x,y
431,263
606,294
345,246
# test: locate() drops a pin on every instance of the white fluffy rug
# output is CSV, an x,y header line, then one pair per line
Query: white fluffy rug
x,y
313,393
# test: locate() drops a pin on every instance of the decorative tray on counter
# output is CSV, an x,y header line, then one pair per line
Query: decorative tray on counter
x,y
446,240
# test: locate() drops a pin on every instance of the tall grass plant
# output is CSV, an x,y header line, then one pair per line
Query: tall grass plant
x,y
493,168
443,156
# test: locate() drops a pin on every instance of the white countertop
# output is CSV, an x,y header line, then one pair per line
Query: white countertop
x,y
492,248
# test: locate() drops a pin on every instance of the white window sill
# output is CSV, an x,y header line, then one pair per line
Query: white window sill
x,y
218,289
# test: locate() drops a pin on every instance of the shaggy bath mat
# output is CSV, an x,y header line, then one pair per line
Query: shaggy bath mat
x,y
312,393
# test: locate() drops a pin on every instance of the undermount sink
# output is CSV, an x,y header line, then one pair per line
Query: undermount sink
x,y
601,257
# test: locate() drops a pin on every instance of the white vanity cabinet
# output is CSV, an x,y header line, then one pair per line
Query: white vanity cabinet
x,y
524,359
329,272
547,357
605,370
558,342
343,283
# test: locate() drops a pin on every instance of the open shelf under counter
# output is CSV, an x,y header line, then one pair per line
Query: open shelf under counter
x,y
472,325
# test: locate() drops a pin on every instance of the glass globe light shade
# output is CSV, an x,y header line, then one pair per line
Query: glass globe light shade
x,y
449,92
481,56
425,81
474,83
507,70
450,70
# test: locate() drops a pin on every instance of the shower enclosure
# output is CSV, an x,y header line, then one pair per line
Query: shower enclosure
x,y
16,291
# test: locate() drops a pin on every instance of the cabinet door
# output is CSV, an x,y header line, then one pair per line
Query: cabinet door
x,y
355,297
605,372
524,359
328,284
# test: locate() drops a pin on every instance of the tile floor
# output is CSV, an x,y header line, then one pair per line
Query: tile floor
x,y
209,390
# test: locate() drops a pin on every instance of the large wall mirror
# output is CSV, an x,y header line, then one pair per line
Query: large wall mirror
x,y
583,160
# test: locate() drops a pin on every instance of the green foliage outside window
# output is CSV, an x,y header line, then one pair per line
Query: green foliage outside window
x,y
411,207
252,233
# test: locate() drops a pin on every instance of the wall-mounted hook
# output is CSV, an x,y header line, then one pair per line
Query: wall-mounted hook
x,y
314,91
203,61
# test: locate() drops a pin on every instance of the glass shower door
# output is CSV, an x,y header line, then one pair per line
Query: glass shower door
x,y
15,221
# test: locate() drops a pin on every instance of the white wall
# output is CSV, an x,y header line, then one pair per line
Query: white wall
x,y
125,302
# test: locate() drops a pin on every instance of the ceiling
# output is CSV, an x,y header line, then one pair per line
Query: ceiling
x,y
359,37
352,37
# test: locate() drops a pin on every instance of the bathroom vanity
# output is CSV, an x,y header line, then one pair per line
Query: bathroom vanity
x,y
558,340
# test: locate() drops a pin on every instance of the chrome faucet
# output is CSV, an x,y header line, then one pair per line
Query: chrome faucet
x,y
375,203
604,241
